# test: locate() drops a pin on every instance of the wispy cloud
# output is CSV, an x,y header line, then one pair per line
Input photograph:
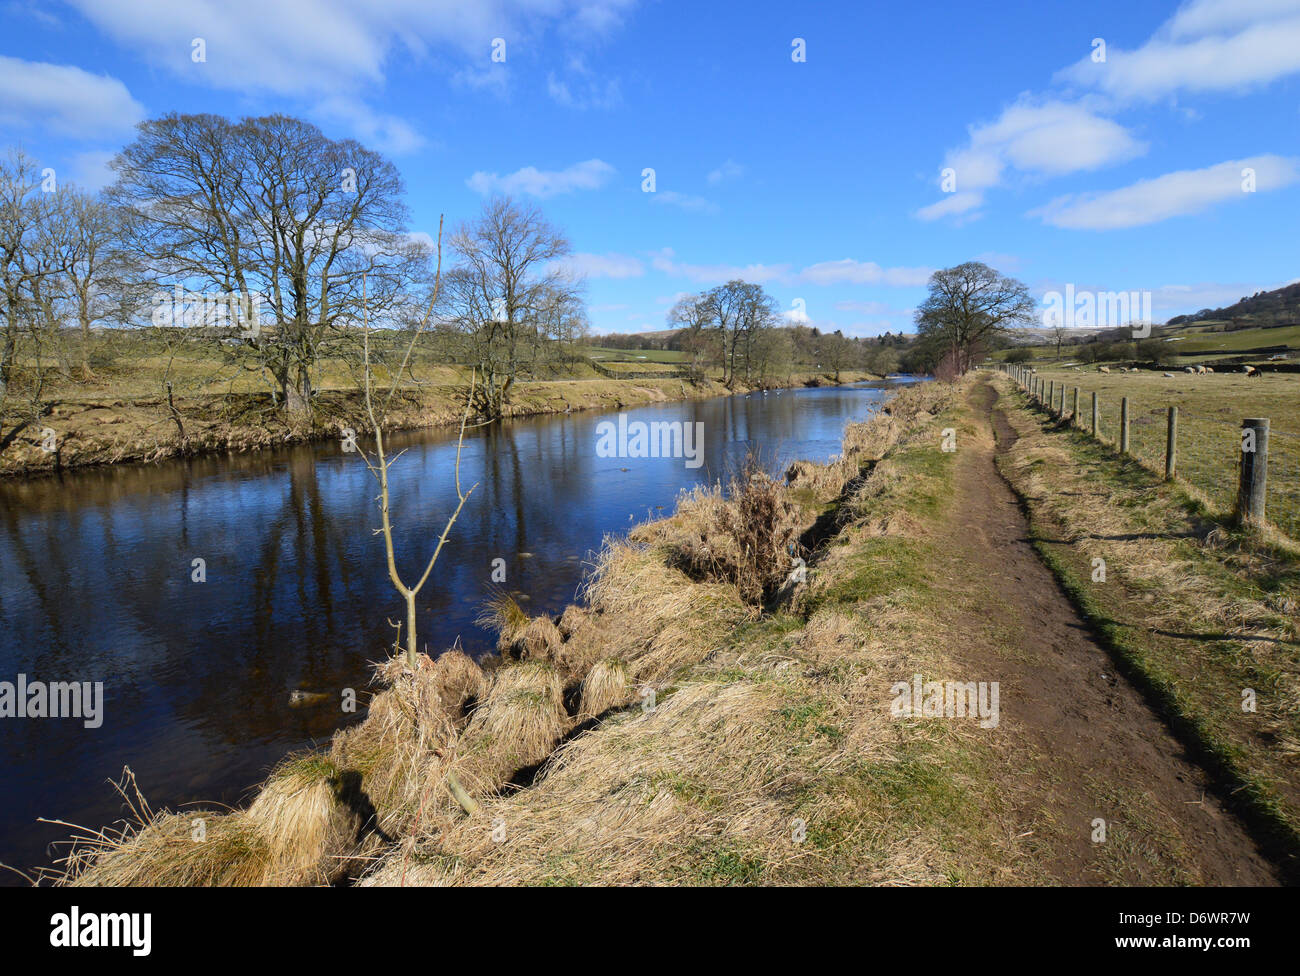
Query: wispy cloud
x,y
845,271
1176,194
730,170
848,271
685,201
64,99
386,133
604,265
317,47
589,175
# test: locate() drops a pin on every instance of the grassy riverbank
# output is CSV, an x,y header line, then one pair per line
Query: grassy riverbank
x,y
700,717
93,430
762,717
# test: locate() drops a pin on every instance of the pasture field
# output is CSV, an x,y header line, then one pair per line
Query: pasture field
x,y
605,354
1210,410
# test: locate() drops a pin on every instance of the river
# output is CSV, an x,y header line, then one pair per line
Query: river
x,y
97,584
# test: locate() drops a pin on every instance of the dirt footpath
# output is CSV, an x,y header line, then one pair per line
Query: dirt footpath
x,y
1080,742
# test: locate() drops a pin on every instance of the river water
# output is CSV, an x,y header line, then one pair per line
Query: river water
x,y
97,584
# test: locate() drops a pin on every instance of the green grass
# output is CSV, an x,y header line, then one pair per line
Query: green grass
x,y
1210,411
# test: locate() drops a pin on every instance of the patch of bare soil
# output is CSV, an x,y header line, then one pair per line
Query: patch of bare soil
x,y
1081,743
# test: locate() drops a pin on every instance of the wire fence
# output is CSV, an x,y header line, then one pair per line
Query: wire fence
x,y
1208,444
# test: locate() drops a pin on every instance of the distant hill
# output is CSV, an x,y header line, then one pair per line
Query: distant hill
x,y
1263,309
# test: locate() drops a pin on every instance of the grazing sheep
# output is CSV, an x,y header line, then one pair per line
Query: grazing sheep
x,y
1209,369
1169,375
1103,369
1200,370
1188,369
1252,371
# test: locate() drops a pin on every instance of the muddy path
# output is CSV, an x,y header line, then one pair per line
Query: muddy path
x,y
1081,743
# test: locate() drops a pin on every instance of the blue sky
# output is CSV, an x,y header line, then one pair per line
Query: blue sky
x,y
822,179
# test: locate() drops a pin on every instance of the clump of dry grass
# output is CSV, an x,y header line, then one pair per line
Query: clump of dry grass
x,y
200,849
504,615
164,851
460,681
606,686
402,749
311,835
747,538
573,620
540,640
519,723
764,527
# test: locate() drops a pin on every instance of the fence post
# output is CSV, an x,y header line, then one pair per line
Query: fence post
x,y
1061,411
1074,417
1252,489
1123,425
1095,411
1051,396
1171,444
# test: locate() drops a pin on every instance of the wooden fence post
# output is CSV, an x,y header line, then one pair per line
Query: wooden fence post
x,y
1252,488
1095,411
1123,425
1171,444
1074,417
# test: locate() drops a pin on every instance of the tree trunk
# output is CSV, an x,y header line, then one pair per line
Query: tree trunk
x,y
296,393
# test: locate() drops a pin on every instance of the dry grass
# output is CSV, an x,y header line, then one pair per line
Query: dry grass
x,y
607,685
311,836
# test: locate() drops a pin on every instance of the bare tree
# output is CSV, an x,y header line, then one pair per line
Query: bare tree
x,y
507,291
269,210
99,269
30,252
694,315
968,305
380,464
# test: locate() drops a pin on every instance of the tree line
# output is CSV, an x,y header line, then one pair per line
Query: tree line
x,y
261,238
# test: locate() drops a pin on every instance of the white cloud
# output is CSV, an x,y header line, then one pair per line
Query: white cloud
x,y
315,47
730,170
844,271
604,265
90,169
953,205
376,130
685,201
589,175
584,93
1172,195
1208,45
847,271
666,261
865,308
1039,138
64,99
